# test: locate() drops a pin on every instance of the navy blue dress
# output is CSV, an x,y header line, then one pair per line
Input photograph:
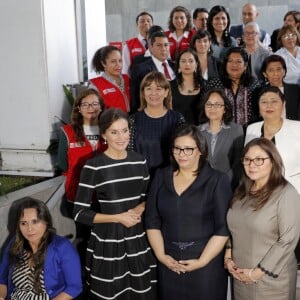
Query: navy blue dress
x,y
187,222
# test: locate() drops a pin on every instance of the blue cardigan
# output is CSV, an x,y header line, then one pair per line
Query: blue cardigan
x,y
62,270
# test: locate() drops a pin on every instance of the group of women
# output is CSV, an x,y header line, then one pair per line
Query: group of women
x,y
183,191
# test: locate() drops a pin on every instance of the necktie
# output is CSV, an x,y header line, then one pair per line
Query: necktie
x,y
146,43
166,71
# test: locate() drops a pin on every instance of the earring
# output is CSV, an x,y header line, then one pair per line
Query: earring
x,y
104,141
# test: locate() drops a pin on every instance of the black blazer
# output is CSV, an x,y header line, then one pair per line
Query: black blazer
x,y
292,98
138,72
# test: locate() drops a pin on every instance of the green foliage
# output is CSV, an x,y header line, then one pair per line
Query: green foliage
x,y
68,95
10,184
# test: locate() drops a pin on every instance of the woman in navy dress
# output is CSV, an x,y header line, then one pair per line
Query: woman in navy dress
x,y
186,221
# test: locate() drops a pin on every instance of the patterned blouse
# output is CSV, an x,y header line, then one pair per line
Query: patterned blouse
x,y
23,280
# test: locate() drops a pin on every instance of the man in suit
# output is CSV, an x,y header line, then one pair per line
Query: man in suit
x,y
137,45
249,14
158,61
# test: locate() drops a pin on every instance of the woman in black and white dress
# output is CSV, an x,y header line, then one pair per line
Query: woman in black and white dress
x,y
119,262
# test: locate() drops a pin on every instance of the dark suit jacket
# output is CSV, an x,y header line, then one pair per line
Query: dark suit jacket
x,y
138,72
213,67
237,32
292,98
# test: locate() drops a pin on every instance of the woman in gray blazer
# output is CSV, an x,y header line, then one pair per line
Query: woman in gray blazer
x,y
224,138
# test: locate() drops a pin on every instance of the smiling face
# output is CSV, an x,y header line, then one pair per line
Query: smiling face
x,y
251,35
90,109
179,20
184,161
187,63
113,64
214,107
220,22
155,95
235,66
117,137
275,73
31,227
270,106
259,174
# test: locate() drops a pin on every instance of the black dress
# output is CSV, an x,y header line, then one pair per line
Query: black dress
x,y
188,105
151,136
187,222
119,260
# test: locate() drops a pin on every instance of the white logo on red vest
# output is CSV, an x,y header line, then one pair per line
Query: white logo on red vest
x,y
136,50
107,91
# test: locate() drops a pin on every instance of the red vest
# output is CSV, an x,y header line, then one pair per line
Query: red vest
x,y
78,154
111,94
135,48
183,44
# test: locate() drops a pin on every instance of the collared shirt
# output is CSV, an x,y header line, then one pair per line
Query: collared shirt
x,y
160,68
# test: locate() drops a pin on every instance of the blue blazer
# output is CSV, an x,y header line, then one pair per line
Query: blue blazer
x,y
62,270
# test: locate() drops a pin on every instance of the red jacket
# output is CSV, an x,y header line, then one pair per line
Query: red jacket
x,y
78,154
135,48
111,94
183,44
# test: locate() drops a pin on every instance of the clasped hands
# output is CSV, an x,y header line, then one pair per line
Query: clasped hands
x,y
181,266
247,276
131,217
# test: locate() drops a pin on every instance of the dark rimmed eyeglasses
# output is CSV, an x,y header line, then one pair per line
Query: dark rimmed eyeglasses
x,y
86,105
258,161
187,150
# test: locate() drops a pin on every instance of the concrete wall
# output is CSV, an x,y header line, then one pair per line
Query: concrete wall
x,y
120,14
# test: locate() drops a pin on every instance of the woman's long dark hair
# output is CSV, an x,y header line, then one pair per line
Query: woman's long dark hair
x,y
76,116
276,177
227,42
198,79
20,244
246,77
198,137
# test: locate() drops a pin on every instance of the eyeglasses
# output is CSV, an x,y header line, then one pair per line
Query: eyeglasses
x,y
258,161
86,105
289,36
270,103
249,33
213,105
187,151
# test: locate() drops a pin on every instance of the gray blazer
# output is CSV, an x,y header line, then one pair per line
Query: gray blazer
x,y
227,151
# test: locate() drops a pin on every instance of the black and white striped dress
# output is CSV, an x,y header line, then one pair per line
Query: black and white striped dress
x,y
22,278
119,261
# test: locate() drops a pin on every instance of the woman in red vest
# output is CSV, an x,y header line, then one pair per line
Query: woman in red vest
x,y
111,84
180,30
80,140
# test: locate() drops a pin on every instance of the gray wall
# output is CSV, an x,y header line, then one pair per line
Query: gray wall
x,y
121,13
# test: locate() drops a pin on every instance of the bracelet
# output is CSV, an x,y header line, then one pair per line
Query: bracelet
x,y
250,276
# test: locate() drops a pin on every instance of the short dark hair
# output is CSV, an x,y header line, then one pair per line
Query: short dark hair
x,y
198,137
143,13
157,34
152,29
100,57
271,89
109,116
200,34
270,59
198,11
227,117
